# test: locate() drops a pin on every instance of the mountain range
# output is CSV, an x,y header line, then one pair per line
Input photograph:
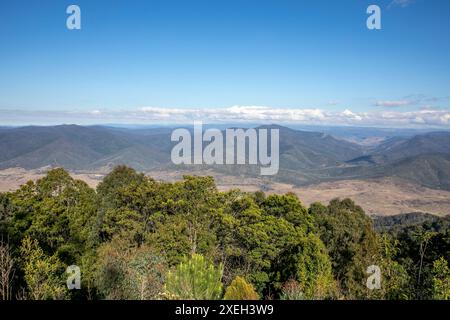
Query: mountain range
x,y
305,156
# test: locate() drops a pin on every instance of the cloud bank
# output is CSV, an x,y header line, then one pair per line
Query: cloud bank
x,y
424,117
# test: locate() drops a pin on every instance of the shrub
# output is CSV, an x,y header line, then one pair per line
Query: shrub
x,y
239,289
441,280
292,291
195,279
129,272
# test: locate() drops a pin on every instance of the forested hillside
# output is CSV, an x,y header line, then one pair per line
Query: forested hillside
x,y
305,157
137,238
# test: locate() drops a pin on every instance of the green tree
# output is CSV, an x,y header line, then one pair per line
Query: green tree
x,y
43,274
119,178
185,224
441,279
128,232
396,282
6,213
309,264
248,239
23,202
58,211
126,271
272,244
195,279
290,208
419,246
116,196
352,244
239,289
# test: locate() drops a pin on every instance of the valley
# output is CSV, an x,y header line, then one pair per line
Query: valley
x,y
387,172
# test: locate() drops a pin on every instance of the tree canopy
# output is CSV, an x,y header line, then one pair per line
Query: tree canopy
x,y
137,238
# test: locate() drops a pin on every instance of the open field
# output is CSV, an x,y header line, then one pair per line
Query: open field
x,y
13,178
387,196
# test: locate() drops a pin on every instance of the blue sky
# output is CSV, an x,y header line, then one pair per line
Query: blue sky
x,y
226,60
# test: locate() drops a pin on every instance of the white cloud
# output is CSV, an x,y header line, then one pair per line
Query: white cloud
x,y
445,118
423,117
351,115
240,114
235,113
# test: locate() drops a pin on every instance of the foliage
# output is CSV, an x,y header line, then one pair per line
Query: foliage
x,y
396,282
351,242
291,291
129,272
42,273
310,265
131,230
419,247
239,289
195,279
266,243
441,279
7,270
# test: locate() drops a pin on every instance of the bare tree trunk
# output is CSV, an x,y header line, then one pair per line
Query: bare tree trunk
x,y
6,271
424,239
143,286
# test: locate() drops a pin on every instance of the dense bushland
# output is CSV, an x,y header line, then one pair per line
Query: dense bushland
x,y
137,238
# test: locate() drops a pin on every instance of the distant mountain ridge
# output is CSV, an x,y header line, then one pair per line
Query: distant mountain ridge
x,y
78,148
305,156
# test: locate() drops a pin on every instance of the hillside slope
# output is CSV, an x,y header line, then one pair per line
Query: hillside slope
x,y
305,157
